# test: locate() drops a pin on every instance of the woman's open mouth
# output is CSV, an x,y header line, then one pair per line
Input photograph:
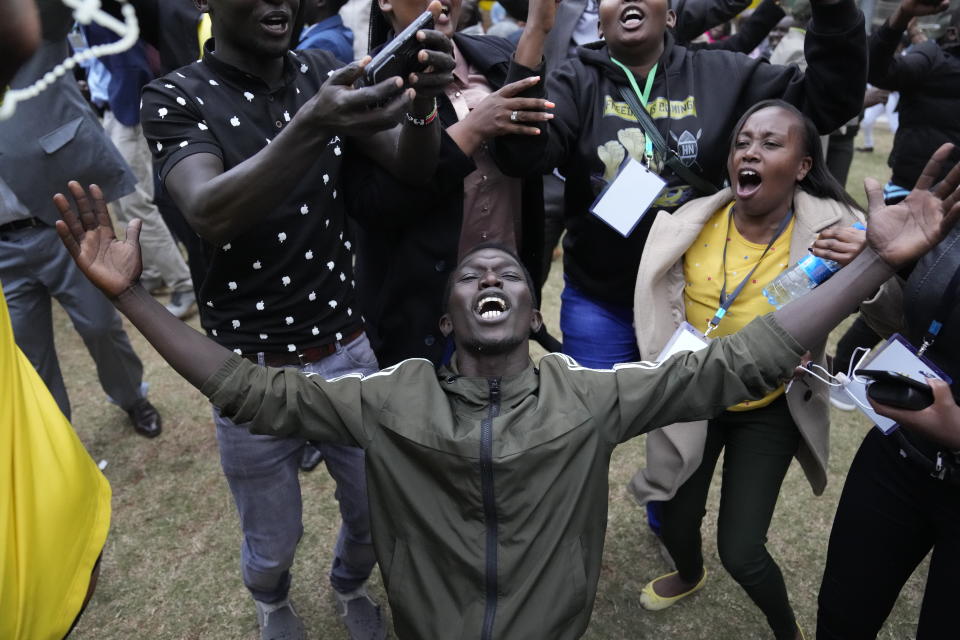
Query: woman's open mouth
x,y
748,182
632,18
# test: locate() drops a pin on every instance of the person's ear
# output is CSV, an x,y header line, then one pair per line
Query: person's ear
x,y
536,321
671,18
385,6
446,325
805,165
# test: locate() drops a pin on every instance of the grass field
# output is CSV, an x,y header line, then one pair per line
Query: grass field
x,y
170,567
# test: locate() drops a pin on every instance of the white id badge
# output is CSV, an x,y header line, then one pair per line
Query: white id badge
x,y
685,338
625,200
898,355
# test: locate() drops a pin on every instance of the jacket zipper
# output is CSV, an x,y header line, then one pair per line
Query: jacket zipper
x,y
489,508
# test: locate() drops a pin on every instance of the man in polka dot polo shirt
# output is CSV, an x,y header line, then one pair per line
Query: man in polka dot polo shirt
x,y
249,142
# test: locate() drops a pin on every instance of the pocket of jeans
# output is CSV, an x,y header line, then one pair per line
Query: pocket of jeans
x,y
360,354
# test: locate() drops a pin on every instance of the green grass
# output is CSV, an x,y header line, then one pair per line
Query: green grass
x,y
171,563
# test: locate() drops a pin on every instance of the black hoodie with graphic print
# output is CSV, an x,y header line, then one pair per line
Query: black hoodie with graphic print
x,y
696,99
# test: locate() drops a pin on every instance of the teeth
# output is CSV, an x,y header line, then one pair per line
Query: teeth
x,y
487,315
494,300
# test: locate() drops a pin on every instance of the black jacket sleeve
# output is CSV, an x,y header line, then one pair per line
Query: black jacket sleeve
x,y
377,200
752,30
696,16
898,73
829,92
529,155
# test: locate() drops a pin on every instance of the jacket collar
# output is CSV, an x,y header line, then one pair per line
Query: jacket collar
x,y
812,215
473,394
489,55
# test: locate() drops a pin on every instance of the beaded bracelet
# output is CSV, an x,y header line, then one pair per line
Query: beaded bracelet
x,y
422,122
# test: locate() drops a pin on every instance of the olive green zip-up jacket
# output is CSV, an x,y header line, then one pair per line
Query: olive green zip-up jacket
x,y
488,496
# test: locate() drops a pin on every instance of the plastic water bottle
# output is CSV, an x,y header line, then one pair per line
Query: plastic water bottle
x,y
804,276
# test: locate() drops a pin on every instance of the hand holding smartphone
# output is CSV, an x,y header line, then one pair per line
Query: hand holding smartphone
x,y
399,56
896,390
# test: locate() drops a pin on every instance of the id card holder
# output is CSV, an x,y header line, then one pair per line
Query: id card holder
x,y
897,355
625,200
685,338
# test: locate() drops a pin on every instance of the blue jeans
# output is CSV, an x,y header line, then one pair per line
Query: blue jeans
x,y
263,474
599,335
596,334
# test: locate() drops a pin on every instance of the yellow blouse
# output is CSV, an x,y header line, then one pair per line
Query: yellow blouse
x,y
703,272
54,504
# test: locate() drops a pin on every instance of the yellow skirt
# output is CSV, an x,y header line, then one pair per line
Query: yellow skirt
x,y
54,504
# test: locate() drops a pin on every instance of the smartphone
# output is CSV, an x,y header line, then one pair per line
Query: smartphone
x,y
399,56
897,390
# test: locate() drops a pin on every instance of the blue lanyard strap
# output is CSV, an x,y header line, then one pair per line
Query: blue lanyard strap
x,y
726,301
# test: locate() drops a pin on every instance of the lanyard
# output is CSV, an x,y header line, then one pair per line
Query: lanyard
x,y
726,301
943,309
643,96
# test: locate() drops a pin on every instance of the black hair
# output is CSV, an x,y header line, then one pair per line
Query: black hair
x,y
380,29
528,279
819,181
516,9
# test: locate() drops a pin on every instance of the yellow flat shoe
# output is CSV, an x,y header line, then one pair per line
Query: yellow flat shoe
x,y
651,601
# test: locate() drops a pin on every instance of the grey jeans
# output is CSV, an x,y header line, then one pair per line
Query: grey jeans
x,y
263,474
33,267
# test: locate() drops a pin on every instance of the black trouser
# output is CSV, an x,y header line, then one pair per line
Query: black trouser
x,y
758,446
889,517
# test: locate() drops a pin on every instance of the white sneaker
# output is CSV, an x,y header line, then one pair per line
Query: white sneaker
x,y
182,304
841,400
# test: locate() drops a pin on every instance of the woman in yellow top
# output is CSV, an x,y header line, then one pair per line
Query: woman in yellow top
x,y
54,505
782,197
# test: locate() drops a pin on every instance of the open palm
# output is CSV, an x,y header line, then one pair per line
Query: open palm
x,y
903,232
87,233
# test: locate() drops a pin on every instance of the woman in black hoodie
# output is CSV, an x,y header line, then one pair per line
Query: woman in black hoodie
x,y
695,98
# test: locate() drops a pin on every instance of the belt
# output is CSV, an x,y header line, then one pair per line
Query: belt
x,y
23,223
308,355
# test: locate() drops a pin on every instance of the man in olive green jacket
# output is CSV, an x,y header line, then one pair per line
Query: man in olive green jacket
x,y
488,479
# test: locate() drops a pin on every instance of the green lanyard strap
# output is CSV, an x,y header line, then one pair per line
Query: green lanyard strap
x,y
643,96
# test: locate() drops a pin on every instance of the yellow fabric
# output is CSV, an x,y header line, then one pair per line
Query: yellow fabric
x,y
54,504
204,31
703,274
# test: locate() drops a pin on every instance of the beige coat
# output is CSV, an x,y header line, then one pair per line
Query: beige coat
x,y
675,452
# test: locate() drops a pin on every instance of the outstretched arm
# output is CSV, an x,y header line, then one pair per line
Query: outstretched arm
x,y
897,235
754,360
275,401
114,267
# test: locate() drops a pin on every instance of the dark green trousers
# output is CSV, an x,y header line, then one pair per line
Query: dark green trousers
x,y
758,446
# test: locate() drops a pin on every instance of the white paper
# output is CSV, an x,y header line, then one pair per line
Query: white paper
x,y
894,355
685,338
628,197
